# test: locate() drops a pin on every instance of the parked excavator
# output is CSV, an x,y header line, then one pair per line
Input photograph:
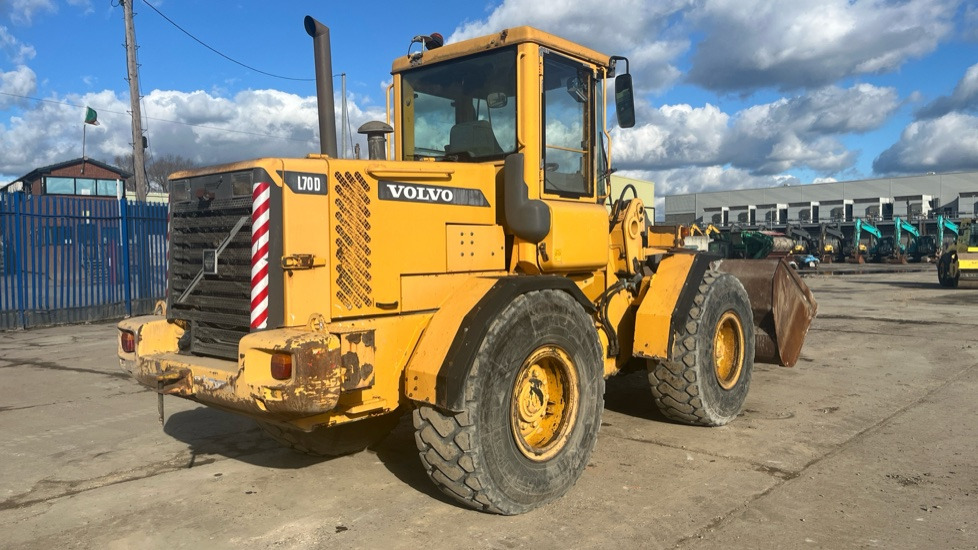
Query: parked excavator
x,y
944,224
753,245
804,253
960,262
923,249
860,251
901,227
831,243
803,241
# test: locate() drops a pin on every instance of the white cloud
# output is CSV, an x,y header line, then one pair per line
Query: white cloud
x,y
672,136
945,144
638,29
22,12
16,51
206,128
969,22
752,44
963,98
765,139
19,82
86,5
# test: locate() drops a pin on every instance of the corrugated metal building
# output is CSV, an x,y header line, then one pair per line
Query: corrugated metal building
x,y
953,194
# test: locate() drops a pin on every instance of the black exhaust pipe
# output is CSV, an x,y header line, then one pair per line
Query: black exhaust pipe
x,y
324,85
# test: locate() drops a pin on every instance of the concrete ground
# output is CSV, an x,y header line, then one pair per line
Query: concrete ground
x,y
870,441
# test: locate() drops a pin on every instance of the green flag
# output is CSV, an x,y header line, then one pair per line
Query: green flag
x,y
91,117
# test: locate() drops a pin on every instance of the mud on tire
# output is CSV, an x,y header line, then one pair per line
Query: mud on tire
x,y
539,364
706,382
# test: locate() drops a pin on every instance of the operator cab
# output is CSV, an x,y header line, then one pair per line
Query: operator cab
x,y
533,105
462,103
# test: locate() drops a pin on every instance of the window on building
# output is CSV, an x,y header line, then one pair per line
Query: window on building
x,y
59,186
79,186
106,188
84,186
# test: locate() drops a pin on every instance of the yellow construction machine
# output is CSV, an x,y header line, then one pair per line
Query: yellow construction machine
x,y
960,262
468,272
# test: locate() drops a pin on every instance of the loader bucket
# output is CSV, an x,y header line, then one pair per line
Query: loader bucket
x,y
783,307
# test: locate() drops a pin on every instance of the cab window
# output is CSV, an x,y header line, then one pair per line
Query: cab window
x,y
462,110
568,88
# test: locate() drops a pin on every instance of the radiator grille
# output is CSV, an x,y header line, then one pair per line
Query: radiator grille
x,y
352,217
219,306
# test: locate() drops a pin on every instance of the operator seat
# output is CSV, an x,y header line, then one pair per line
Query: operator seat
x,y
475,138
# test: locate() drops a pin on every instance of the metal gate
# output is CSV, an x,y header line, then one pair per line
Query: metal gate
x,y
78,259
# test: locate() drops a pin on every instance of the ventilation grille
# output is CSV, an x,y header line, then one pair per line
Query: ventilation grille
x,y
218,307
352,240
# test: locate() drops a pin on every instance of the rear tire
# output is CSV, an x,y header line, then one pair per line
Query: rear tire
x,y
706,382
344,439
533,404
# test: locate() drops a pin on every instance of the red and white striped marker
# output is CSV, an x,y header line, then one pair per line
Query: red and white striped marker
x,y
260,199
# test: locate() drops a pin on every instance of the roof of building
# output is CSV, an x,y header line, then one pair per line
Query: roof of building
x,y
33,174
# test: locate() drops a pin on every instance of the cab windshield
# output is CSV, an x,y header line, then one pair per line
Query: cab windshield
x,y
461,110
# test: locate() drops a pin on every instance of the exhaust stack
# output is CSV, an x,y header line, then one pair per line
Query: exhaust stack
x,y
324,85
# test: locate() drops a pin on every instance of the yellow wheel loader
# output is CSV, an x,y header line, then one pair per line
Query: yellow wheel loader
x,y
467,271
959,263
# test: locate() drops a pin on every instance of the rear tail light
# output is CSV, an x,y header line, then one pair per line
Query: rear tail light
x,y
128,341
282,366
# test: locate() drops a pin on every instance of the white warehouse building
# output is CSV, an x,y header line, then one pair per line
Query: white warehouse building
x,y
912,197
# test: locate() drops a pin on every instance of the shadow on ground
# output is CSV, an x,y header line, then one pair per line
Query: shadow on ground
x,y
209,432
399,454
629,394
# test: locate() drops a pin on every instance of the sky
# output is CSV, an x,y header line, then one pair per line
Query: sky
x,y
730,93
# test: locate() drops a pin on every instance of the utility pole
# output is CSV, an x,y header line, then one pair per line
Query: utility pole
x,y
138,151
344,119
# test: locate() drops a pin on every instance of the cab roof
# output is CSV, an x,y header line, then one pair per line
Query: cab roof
x,y
506,37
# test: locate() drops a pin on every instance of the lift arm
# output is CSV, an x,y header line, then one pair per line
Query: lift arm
x,y
945,223
899,226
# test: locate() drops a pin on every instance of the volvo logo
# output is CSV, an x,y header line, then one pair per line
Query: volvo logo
x,y
429,194
435,194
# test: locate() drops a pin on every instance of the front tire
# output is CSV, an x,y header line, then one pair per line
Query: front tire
x,y
947,273
533,405
707,380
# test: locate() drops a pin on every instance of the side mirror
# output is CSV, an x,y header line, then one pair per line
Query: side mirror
x,y
497,100
624,101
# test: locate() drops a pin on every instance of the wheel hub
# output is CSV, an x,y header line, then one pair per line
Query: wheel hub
x,y
544,403
728,350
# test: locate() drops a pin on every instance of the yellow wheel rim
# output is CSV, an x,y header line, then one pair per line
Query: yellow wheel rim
x,y
728,350
544,403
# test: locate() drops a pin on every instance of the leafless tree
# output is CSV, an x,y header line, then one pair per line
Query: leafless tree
x,y
158,168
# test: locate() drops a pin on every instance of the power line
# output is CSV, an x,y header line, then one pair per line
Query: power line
x,y
101,110
199,41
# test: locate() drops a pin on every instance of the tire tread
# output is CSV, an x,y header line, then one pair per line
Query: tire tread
x,y
675,383
445,439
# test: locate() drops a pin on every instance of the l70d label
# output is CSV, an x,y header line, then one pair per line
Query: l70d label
x,y
307,183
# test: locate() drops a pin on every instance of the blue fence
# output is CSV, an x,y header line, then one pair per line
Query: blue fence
x,y
77,259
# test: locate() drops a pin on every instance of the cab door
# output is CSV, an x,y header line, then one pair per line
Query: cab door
x,y
567,175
